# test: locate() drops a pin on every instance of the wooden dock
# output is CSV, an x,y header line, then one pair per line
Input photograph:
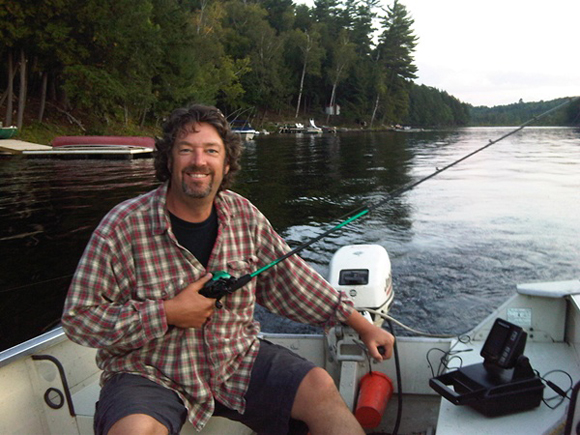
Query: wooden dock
x,y
14,146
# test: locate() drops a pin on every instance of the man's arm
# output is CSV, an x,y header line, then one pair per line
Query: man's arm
x,y
372,336
100,310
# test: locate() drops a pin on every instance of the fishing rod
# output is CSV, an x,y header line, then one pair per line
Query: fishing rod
x,y
222,283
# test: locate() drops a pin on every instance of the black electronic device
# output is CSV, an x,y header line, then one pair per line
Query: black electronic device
x,y
504,345
504,383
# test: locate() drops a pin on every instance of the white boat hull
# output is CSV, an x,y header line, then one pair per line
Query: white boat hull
x,y
551,311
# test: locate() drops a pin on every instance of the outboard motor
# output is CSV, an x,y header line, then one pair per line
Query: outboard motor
x,y
363,272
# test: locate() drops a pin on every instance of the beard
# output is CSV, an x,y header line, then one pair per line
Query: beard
x,y
197,193
194,190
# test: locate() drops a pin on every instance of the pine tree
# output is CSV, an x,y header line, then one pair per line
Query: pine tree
x,y
395,56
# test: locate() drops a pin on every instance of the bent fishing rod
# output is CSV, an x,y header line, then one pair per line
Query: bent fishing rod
x,y
222,283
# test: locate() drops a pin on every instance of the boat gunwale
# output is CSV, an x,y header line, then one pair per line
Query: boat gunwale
x,y
32,346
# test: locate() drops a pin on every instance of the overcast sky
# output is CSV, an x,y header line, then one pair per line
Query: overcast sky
x,y
495,52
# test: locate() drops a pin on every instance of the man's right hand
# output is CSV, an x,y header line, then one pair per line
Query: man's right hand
x,y
189,309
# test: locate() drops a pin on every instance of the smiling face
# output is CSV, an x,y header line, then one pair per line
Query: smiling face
x,y
197,167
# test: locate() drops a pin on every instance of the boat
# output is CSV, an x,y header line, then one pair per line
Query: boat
x,y
98,141
404,129
8,132
50,384
312,128
243,128
93,147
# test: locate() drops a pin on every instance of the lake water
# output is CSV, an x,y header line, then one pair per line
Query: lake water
x,y
459,243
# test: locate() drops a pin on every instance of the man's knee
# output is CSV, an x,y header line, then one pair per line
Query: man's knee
x,y
138,424
318,382
317,390
319,404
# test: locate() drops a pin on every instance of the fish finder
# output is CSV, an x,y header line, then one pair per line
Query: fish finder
x,y
504,383
504,345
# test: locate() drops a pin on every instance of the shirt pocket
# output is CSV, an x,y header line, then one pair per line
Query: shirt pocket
x,y
244,296
237,268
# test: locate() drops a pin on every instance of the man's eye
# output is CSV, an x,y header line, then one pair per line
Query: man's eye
x,y
184,151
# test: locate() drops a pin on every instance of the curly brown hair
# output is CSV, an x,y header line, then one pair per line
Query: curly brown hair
x,y
178,121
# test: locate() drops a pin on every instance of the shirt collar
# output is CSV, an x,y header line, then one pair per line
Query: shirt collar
x,y
160,216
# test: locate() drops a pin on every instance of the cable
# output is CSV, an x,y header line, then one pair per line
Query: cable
x,y
560,393
444,361
415,331
399,383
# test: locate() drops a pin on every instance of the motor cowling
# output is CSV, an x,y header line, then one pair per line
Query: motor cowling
x,y
363,272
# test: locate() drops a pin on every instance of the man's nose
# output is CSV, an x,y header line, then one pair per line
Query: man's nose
x,y
198,157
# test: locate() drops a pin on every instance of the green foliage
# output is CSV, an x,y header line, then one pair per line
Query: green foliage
x,y
518,113
129,62
395,68
430,107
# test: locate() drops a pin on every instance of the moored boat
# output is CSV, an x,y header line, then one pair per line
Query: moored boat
x,y
100,141
243,128
312,128
8,132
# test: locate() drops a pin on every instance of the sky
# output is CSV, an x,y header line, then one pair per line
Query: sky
x,y
496,52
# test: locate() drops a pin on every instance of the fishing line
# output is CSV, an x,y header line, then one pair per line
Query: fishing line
x,y
34,284
223,283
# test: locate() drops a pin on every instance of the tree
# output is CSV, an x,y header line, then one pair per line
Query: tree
x,y
15,32
395,53
117,78
280,15
343,55
303,49
195,67
249,35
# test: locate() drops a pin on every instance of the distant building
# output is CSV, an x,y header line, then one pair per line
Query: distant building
x,y
332,110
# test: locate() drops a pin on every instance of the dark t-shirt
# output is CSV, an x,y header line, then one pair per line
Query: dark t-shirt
x,y
198,238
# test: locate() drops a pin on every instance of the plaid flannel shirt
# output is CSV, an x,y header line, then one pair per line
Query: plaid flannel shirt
x,y
133,262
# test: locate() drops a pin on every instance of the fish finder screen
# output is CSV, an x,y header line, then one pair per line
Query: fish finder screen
x,y
504,344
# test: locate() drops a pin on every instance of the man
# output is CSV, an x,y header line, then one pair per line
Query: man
x,y
167,352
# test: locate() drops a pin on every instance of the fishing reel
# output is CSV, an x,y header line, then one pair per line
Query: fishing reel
x,y
222,284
